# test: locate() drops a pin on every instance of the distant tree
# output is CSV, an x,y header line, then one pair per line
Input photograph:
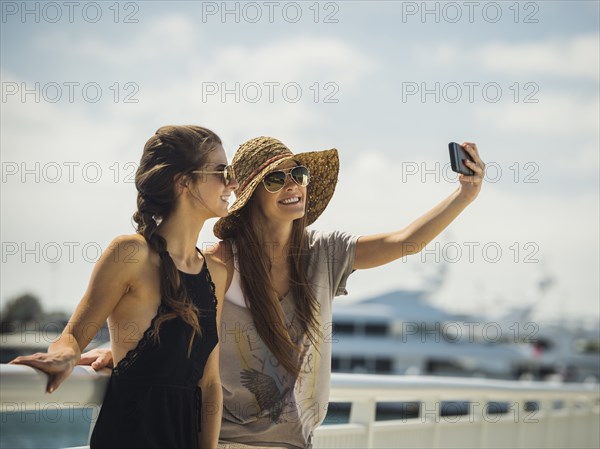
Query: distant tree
x,y
22,309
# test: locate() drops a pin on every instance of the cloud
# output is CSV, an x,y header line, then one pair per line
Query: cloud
x,y
555,114
174,40
293,59
161,41
576,57
573,57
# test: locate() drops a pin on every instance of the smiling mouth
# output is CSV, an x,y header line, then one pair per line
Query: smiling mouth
x,y
289,201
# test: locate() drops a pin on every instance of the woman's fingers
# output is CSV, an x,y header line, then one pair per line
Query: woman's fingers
x,y
54,380
101,362
469,179
88,358
97,358
473,179
52,383
471,148
49,363
475,167
35,360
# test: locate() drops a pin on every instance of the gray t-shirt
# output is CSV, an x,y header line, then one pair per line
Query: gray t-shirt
x,y
263,405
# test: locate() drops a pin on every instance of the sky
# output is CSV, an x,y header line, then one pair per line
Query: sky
x,y
387,83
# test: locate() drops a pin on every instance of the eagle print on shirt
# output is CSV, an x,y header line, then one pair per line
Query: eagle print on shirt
x,y
268,395
273,388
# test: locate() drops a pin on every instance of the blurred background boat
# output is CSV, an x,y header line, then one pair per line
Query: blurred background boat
x,y
402,332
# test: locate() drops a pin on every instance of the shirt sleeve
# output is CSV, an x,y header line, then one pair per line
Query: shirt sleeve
x,y
341,249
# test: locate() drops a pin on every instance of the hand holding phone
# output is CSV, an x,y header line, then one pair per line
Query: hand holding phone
x,y
457,157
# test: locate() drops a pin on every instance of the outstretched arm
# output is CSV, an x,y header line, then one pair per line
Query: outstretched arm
x,y
379,249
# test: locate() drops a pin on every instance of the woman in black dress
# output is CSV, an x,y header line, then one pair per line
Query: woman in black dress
x,y
156,289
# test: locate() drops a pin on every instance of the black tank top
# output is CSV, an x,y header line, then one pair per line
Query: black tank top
x,y
153,399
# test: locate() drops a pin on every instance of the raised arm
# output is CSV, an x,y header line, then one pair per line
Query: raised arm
x,y
379,249
111,278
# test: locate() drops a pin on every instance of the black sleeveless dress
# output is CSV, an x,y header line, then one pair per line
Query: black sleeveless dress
x,y
152,399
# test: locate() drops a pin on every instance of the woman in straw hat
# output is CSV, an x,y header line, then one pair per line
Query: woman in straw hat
x,y
276,328
282,278
156,289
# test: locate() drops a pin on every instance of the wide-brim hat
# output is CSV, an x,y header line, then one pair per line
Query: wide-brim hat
x,y
257,157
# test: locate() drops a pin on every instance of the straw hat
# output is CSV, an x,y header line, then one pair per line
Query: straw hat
x,y
257,157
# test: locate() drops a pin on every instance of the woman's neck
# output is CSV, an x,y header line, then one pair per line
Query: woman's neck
x,y
276,237
181,234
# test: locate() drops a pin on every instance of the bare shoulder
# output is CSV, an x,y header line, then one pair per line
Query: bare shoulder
x,y
220,251
221,255
218,272
129,253
117,273
129,248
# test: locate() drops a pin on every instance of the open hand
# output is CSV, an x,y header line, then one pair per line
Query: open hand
x,y
57,364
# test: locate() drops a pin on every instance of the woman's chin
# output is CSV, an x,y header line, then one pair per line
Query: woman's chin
x,y
294,215
219,211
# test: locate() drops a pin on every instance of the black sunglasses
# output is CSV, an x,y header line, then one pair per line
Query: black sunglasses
x,y
227,172
275,181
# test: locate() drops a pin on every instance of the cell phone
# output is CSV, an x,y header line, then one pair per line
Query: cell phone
x,y
457,158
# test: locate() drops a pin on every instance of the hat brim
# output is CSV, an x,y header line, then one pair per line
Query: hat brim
x,y
324,169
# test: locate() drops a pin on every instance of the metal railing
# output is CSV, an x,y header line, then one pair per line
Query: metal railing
x,y
427,412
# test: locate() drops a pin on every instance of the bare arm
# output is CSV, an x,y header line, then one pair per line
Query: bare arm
x,y
212,402
111,278
221,252
210,384
380,249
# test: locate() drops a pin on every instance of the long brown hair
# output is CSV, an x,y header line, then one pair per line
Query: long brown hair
x,y
261,297
171,153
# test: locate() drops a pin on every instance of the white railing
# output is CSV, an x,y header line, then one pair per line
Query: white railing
x,y
537,415
564,416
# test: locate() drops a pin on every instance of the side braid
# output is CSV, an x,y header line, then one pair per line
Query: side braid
x,y
173,150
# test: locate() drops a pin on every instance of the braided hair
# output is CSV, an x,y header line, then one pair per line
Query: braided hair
x,y
173,151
